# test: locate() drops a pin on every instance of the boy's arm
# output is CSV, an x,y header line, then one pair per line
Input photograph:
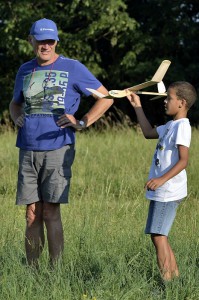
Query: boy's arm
x,y
148,131
154,183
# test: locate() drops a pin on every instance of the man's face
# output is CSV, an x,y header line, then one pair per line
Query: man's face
x,y
44,50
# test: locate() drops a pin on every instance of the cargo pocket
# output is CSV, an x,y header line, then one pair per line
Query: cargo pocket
x,y
65,172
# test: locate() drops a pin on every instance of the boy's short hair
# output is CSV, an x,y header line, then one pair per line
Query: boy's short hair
x,y
185,90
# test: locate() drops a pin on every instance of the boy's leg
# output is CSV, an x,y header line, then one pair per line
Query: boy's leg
x,y
174,267
160,219
165,257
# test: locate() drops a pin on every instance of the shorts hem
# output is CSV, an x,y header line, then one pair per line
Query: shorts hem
x,y
20,203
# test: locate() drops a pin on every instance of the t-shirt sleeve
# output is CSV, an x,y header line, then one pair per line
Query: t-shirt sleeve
x,y
85,79
18,87
183,134
160,129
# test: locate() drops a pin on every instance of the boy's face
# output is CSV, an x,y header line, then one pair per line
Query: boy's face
x,y
173,106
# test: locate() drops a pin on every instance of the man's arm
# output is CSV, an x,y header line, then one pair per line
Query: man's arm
x,y
97,110
16,113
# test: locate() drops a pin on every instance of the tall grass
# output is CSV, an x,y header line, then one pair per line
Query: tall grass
x,y
106,256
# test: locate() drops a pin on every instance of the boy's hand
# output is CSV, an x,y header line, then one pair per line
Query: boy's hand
x,y
154,183
134,99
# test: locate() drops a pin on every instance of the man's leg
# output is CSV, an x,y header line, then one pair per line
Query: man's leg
x,y
52,219
165,257
34,236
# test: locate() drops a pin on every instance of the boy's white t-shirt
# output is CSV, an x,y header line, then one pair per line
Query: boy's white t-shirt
x,y
166,155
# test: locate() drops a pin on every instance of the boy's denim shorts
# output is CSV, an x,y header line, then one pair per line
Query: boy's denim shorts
x,y
44,175
161,216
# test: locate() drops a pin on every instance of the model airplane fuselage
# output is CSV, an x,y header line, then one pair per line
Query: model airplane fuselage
x,y
156,79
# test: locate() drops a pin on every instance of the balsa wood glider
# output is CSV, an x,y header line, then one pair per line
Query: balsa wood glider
x,y
156,79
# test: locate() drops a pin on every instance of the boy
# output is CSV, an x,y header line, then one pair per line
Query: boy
x,y
167,182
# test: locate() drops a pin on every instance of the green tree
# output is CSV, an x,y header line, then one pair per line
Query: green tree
x,y
169,29
121,41
95,32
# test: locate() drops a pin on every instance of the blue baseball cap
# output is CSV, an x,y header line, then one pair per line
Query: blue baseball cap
x,y
44,29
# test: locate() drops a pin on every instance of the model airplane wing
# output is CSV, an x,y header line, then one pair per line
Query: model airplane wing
x,y
98,94
158,96
156,79
124,93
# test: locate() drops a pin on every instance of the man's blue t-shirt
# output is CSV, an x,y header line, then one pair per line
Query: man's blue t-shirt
x,y
48,92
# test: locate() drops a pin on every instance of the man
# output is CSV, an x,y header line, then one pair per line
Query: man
x,y
46,95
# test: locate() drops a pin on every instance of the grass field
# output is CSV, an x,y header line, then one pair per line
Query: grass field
x,y
106,256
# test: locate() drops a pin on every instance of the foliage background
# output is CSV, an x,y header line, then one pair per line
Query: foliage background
x,y
107,256
121,41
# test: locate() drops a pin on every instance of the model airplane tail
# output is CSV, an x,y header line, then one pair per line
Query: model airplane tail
x,y
161,71
157,77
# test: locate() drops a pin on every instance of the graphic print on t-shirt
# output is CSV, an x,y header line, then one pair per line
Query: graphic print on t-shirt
x,y
44,92
160,146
